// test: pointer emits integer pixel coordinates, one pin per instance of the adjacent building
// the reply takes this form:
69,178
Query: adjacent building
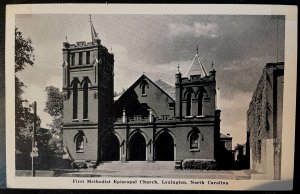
226,141
264,122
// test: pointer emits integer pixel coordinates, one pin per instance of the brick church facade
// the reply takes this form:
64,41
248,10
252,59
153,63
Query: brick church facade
148,122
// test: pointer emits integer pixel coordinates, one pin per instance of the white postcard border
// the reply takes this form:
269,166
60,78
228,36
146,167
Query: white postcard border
289,110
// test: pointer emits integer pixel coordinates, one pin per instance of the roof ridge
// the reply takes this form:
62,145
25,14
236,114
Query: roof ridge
141,77
165,82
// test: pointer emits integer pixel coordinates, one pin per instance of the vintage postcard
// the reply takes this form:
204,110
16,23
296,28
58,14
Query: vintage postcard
180,97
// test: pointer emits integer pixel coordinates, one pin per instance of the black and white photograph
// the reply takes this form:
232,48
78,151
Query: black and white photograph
151,96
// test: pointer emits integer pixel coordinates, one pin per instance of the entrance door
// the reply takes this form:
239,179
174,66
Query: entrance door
164,147
111,149
137,148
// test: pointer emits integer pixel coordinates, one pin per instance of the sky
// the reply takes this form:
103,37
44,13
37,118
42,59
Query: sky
239,46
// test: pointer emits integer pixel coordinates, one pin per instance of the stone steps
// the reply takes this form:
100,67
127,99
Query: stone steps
137,165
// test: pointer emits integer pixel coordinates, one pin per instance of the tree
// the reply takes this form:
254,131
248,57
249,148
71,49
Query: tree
54,103
23,57
23,51
120,93
23,117
54,107
239,149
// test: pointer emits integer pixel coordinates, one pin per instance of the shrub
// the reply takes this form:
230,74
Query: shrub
91,165
198,164
79,165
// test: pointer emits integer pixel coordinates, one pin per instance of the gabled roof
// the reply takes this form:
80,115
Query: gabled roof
168,88
117,97
137,82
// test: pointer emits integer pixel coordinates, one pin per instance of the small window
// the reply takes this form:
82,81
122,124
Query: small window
88,57
189,104
73,59
194,141
171,105
80,59
143,89
200,104
80,143
143,86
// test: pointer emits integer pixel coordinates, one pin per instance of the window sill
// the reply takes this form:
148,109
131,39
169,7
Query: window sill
144,95
194,150
75,120
79,151
86,119
200,116
189,117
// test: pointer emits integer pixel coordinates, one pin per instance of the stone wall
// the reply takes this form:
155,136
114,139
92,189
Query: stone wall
264,115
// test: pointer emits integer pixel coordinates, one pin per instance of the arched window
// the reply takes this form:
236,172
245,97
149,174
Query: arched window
75,100
143,86
200,103
80,143
194,141
189,104
85,100
143,89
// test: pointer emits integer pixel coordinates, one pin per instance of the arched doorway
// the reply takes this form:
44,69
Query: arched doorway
137,148
111,148
164,147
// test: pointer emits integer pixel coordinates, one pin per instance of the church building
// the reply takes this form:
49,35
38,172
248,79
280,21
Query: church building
151,121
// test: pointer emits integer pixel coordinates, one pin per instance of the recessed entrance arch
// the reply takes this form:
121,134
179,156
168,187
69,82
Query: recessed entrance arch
164,147
136,150
111,148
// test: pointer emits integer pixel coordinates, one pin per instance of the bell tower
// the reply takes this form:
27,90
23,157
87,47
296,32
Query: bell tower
88,81
195,91
196,109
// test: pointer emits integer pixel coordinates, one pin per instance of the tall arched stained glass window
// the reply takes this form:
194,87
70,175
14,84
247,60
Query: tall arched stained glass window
85,100
200,103
75,100
189,104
